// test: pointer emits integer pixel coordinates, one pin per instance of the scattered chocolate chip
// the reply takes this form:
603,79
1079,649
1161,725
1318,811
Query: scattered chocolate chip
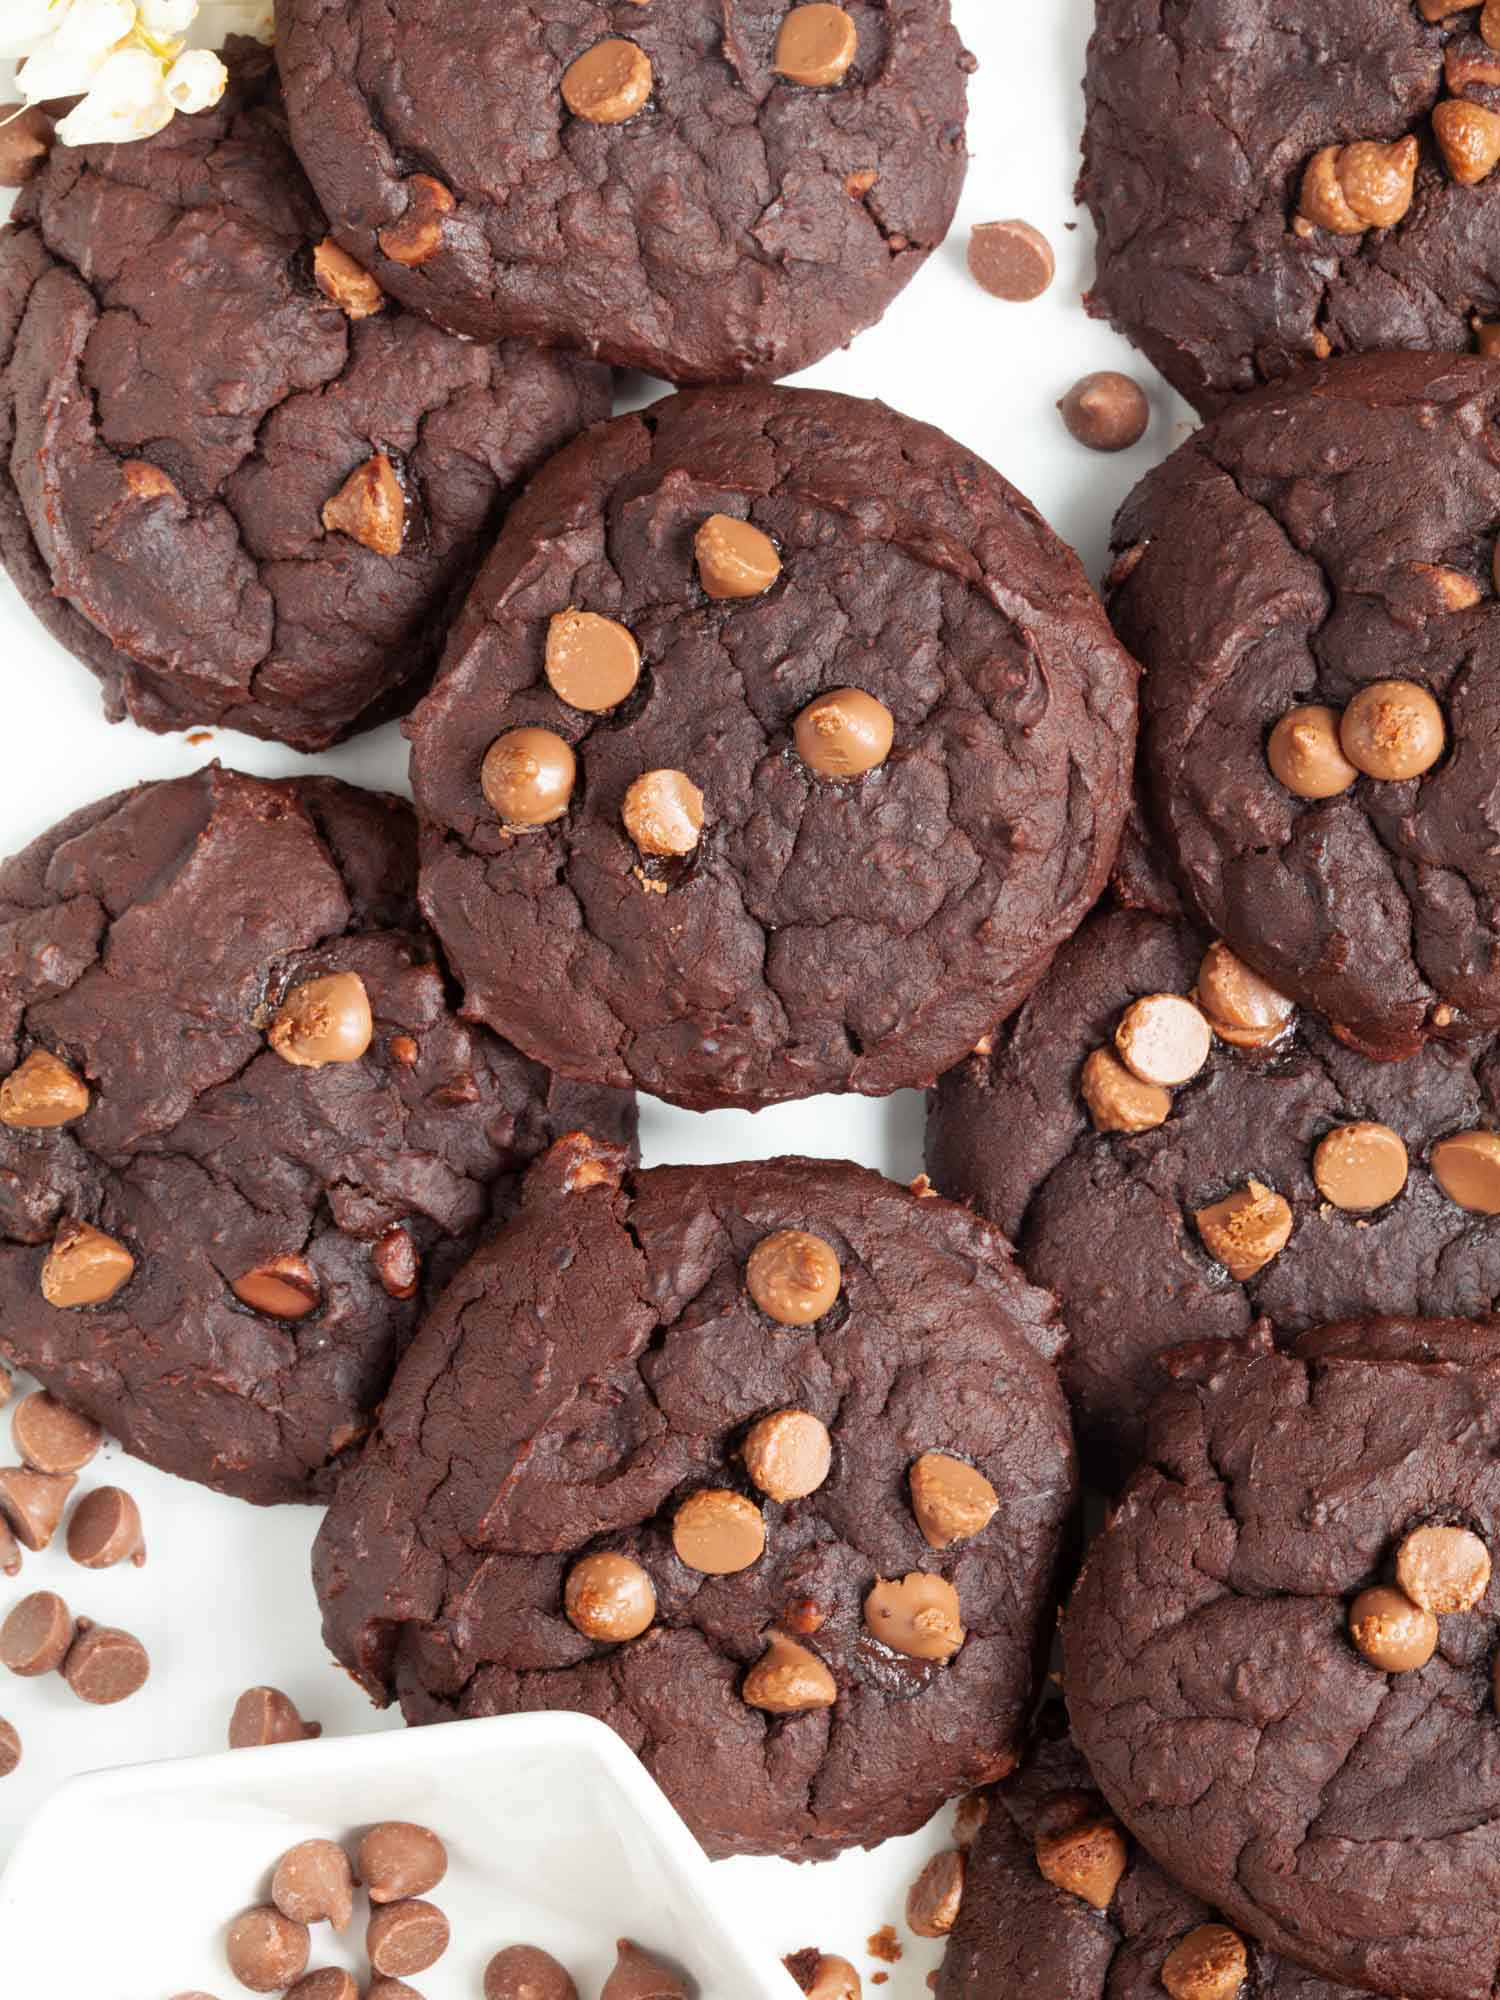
265,1715
609,1598
1118,1101
84,1267
816,46
33,1503
1360,1167
36,1635
10,1747
1106,411
105,1665
591,662
329,1983
638,1976
920,1616
1305,754
1468,137
734,558
788,1454
1241,1007
844,733
325,1020
396,1262
1012,260
105,1530
1246,1229
282,1288
1393,1633
1209,1964
1163,1039
1087,1860
267,1951
663,813
370,507
42,1093
1349,189
405,1937
399,1859
51,1437
313,1884
609,83
824,1976
348,284
525,1972
718,1532
953,1501
1443,1569
932,1902
1467,1169
788,1678
794,1277
527,778
419,233
25,141
1393,730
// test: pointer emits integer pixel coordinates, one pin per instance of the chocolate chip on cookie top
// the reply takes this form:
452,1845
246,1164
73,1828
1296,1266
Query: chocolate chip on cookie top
803,1564
808,799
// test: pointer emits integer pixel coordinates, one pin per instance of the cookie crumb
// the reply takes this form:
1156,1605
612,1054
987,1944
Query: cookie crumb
884,1944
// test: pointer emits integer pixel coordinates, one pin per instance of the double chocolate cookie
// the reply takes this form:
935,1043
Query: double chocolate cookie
236,480
1176,1150
1309,584
1309,181
708,192
1280,1657
766,1466
243,1138
777,749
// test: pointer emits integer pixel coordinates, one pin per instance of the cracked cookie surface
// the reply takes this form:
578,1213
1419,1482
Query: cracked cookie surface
1308,544
739,225
822,934
179,403
147,943
1346,1816
602,1363
1202,121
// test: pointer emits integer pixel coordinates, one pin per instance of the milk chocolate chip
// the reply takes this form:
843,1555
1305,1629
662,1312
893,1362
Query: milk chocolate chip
265,1715
788,1678
33,1502
396,1263
718,1532
328,1983
283,1288
1246,1229
1163,1039
919,1616
36,1635
398,1858
51,1437
788,1454
1393,1633
325,1020
419,233
84,1267
405,1937
1087,1860
267,1951
952,1501
608,83
844,734
734,558
1467,1169
10,1551
1392,729
348,284
816,46
1242,1008
523,1972
1209,1964
314,1884
1360,1166
609,1598
105,1665
1118,1101
794,1277
1468,137
970,1819
638,1976
527,777
10,1747
1106,411
1349,189
663,813
823,1975
25,141
591,662
1305,754
1443,1569
41,1093
370,507
934,1899
1012,260
106,1530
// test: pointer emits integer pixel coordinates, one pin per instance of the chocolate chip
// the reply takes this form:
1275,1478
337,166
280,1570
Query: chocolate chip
36,1635
1392,730
51,1437
1468,137
329,1983
405,1937
1443,1569
1087,1860
145,482
788,1678
33,1503
282,1288
265,1715
609,1598
970,1819
788,1454
591,662
1118,1101
1467,1169
638,1976
844,733
314,1884
608,83
953,1501
718,1532
25,141
419,233
1393,1633
266,1951
398,1858
1163,1039
41,1094
370,507
793,1276
10,1747
1446,590
1106,411
1209,1964
106,1530
1246,1229
396,1263
10,1551
1241,1007
348,284
1360,1167
1348,189
734,558
933,1901
816,46
391,1989
325,1020
824,1976
527,777
105,1665
1305,754
84,1267
1012,260
663,813
524,1972
920,1616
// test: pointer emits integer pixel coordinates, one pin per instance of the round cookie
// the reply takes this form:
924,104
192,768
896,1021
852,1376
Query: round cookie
869,771
575,1445
236,480
243,1137
1111,1189
1345,1812
1287,192
708,193
1059,1900
1307,582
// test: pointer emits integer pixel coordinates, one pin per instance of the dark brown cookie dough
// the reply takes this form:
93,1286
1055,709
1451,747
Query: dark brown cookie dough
784,925
707,192
1362,1154
1320,547
1344,1812
184,404
216,1250
594,1393
1199,142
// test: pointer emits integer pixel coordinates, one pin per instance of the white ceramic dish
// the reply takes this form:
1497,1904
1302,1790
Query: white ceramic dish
123,1886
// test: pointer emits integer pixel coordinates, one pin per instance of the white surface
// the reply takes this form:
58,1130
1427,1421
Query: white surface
224,1601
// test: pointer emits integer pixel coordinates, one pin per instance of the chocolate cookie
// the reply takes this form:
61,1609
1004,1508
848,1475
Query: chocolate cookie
1280,1655
1175,1150
236,480
1318,180
706,192
243,1138
766,1466
776,750
1059,1901
1307,582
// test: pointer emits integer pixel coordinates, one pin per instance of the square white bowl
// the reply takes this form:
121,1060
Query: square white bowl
126,1880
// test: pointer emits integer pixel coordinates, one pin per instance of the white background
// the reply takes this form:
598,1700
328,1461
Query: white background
225,1601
